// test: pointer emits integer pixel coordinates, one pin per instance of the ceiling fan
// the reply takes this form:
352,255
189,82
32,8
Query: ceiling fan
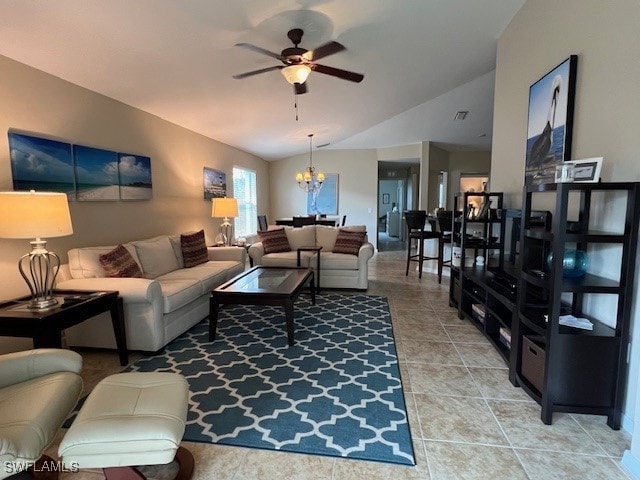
299,62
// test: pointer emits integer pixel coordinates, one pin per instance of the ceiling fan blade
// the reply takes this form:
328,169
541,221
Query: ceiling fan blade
325,50
336,72
256,72
261,50
300,88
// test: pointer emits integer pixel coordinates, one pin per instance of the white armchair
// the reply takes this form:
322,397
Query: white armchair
38,390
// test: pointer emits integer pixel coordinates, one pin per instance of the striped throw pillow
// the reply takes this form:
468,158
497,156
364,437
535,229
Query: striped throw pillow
348,242
194,249
274,241
118,263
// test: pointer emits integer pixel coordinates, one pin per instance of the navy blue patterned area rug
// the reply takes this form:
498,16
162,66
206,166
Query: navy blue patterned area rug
336,392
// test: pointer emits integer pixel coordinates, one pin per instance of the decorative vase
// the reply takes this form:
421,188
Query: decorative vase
574,264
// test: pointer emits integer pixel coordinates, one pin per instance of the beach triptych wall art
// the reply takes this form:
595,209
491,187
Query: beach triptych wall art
83,173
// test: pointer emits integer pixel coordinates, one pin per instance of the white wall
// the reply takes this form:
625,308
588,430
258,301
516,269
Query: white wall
32,101
399,154
357,185
606,38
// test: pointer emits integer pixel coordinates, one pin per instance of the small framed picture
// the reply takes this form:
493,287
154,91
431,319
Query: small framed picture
215,183
587,170
385,198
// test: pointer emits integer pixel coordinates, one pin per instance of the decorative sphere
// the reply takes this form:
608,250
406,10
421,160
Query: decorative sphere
574,264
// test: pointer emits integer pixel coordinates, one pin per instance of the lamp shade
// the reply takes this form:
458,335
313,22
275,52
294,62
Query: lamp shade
224,207
296,73
34,215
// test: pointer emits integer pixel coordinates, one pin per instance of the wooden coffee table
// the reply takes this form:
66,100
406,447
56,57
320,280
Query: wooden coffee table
263,286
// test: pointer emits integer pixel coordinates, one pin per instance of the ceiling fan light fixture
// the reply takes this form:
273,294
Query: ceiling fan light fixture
296,73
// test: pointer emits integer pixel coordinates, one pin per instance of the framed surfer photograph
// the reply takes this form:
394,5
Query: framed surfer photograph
550,122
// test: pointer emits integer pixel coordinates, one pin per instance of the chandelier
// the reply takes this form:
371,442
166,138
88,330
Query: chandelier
308,180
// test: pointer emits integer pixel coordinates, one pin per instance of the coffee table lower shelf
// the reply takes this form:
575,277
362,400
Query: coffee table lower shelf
263,286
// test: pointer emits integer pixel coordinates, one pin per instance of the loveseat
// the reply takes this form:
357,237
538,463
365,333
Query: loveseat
337,270
167,301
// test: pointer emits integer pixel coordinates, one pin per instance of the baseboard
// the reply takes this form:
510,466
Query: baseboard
631,464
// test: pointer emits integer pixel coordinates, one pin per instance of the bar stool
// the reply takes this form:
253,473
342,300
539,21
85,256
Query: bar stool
415,227
449,231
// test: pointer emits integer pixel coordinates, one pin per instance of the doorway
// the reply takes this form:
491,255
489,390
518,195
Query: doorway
397,184
473,182
391,203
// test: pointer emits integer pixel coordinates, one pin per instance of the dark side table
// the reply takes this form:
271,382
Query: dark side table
317,249
74,307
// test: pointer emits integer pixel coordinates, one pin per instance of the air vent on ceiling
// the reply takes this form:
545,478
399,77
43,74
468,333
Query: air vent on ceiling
461,115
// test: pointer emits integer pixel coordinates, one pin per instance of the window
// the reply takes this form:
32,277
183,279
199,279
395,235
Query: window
244,190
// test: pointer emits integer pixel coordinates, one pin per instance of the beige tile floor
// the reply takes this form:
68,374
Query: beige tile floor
467,421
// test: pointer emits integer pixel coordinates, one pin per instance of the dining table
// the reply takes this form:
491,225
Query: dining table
288,221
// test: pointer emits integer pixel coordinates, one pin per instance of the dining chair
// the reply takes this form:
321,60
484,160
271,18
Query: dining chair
415,220
262,223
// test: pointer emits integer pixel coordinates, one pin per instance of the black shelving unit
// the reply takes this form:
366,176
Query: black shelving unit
484,234
567,369
485,295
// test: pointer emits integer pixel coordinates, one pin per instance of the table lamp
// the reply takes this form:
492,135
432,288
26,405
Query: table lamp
36,215
224,208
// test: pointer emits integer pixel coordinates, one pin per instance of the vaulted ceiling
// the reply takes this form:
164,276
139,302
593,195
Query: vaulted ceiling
423,60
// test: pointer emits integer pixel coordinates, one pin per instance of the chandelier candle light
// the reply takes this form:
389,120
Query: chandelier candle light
308,180
36,215
224,208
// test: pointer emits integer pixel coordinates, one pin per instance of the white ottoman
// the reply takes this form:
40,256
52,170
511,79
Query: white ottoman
130,419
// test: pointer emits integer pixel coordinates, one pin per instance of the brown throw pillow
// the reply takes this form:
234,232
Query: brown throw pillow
194,249
275,241
118,263
348,242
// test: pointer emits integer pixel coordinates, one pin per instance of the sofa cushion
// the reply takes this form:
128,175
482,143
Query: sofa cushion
355,228
288,259
274,241
177,249
348,242
119,263
326,237
301,236
210,274
156,256
85,262
194,249
177,292
338,261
